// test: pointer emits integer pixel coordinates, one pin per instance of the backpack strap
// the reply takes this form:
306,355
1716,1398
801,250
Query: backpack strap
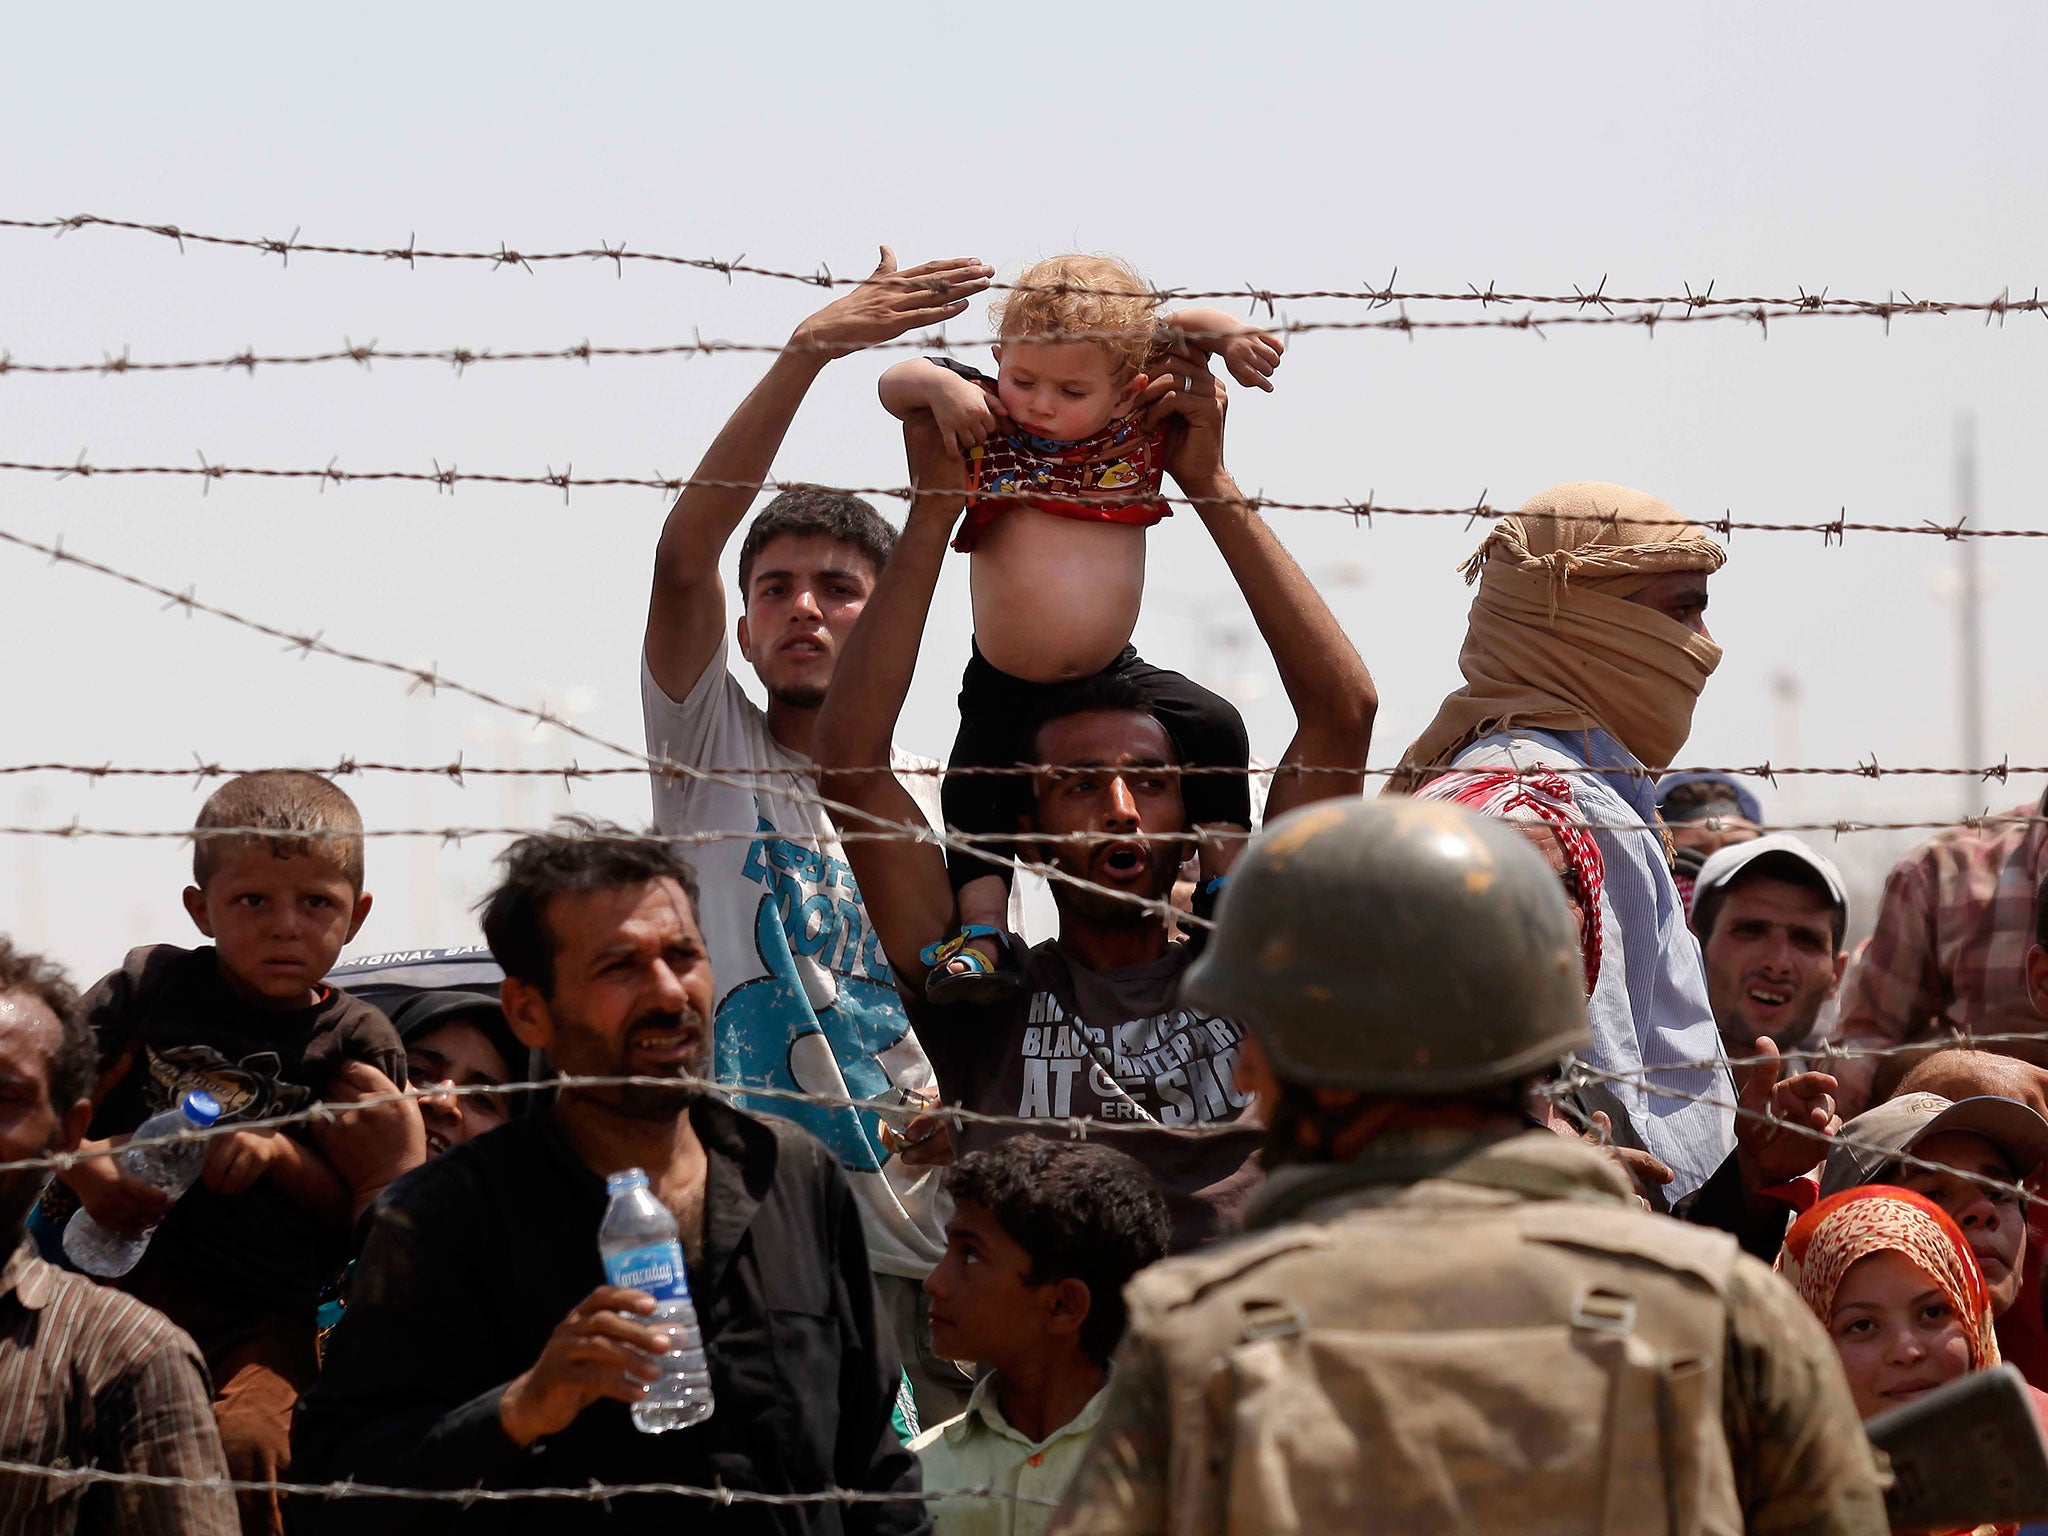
1489,1170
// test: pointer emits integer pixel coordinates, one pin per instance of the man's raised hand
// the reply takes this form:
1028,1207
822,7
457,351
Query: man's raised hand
1190,400
1775,1138
595,1352
890,303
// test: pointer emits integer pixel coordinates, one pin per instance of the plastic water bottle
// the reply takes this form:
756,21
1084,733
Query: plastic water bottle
637,1241
173,1168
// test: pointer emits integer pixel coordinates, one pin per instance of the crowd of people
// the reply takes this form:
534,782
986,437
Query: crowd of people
1418,1162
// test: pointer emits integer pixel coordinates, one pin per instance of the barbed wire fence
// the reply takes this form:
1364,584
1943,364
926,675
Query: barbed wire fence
1361,510
1817,301
1593,307
458,771
461,359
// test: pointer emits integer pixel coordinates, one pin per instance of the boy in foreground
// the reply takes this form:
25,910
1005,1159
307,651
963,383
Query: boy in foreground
239,1261
1044,1237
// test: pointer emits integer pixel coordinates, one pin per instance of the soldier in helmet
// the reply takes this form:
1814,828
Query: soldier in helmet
1440,1319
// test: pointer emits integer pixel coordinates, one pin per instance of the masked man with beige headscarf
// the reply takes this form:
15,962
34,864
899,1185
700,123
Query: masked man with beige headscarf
1587,647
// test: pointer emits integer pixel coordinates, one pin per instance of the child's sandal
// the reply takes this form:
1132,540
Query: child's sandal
981,982
1203,909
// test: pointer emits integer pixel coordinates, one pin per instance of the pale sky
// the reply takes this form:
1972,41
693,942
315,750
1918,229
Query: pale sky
1863,148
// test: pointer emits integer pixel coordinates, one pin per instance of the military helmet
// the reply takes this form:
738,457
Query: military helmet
1396,946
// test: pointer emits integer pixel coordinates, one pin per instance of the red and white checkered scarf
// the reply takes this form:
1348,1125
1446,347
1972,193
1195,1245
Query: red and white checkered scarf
1538,797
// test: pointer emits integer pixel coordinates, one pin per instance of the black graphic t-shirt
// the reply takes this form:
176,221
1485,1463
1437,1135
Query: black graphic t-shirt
1110,1046
167,1022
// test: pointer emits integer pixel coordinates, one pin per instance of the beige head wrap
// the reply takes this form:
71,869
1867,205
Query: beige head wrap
1552,640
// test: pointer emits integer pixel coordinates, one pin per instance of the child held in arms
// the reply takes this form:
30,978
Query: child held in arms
240,1260
1064,473
1044,1237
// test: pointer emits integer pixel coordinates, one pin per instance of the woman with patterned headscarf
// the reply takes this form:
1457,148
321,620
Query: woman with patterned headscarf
1585,652
1893,1281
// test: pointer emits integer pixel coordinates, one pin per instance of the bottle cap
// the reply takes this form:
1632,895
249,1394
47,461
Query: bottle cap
626,1178
200,1107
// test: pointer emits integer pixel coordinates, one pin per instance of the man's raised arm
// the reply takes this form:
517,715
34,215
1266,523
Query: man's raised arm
903,883
1326,681
686,613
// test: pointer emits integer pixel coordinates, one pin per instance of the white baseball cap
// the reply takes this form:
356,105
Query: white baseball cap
1722,868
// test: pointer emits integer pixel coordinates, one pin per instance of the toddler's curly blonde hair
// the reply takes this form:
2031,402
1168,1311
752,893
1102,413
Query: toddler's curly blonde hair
1097,297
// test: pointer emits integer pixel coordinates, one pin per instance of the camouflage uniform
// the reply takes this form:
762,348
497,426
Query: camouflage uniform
1451,1324
1460,1333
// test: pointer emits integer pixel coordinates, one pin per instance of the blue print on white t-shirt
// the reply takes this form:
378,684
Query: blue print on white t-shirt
772,1033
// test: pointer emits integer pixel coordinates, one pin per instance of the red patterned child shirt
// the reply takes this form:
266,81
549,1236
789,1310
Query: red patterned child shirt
1112,477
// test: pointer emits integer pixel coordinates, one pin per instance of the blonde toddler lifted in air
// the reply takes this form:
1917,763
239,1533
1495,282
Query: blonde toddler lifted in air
1064,475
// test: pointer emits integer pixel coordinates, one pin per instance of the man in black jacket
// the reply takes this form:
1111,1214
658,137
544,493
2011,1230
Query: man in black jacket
481,1348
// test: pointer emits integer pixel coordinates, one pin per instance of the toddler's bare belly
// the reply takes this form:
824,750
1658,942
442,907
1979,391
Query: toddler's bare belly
1055,598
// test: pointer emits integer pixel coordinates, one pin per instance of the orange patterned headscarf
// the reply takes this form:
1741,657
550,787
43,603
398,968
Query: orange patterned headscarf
1876,1218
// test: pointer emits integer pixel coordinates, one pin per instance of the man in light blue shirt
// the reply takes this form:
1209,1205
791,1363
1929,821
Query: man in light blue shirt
1586,650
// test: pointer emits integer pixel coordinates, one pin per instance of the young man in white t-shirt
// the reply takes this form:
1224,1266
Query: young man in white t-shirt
806,1000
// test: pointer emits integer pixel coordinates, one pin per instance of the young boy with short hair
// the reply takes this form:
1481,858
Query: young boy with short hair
1043,1239
239,1261
1064,477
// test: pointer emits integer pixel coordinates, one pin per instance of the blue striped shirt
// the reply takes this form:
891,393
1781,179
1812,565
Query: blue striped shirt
1649,1008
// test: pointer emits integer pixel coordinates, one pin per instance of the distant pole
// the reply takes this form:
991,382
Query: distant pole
1969,617
1787,697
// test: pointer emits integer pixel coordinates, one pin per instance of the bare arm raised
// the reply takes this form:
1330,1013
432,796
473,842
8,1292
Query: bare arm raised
903,883
1326,681
686,611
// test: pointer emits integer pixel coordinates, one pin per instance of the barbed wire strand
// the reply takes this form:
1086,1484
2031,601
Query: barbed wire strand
973,842
327,1111
1576,1072
461,359
861,822
411,253
1820,1053
458,769
1361,512
1585,1071
588,1493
